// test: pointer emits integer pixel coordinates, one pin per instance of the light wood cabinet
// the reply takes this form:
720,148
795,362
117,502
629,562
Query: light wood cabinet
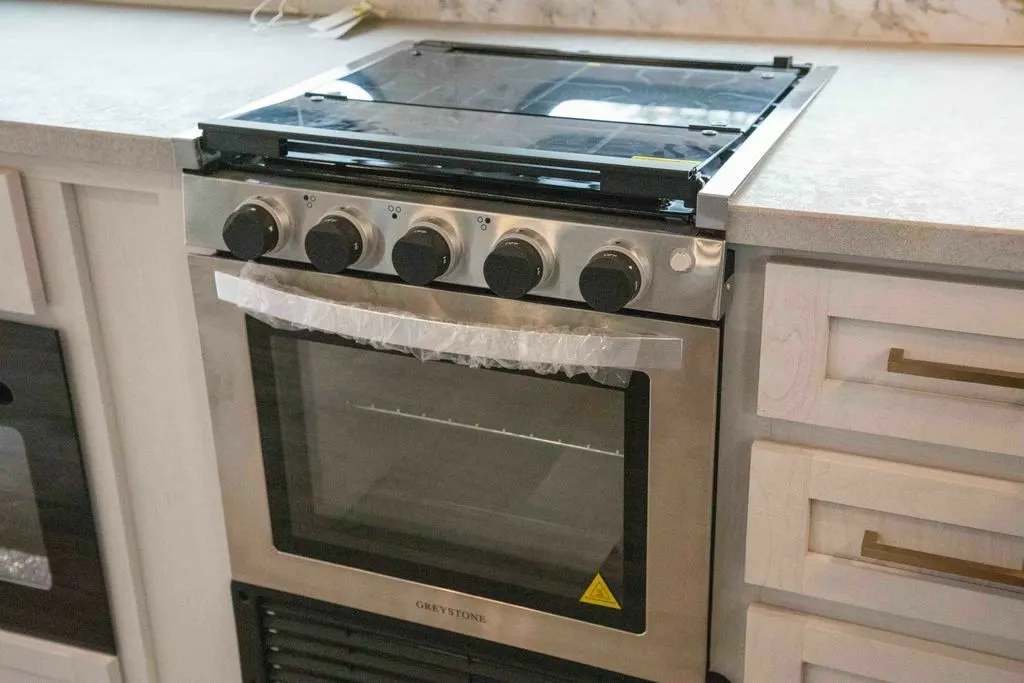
787,647
922,543
929,360
30,660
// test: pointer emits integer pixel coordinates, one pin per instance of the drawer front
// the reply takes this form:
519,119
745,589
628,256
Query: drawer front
932,361
31,660
926,544
788,647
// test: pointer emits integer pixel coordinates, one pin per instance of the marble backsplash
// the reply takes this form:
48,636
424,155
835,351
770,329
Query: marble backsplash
973,22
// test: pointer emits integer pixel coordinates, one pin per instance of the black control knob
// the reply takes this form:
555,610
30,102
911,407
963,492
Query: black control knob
334,244
251,231
513,268
610,281
421,255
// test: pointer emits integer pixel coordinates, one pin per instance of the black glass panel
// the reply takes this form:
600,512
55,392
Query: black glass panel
552,105
469,127
510,485
675,96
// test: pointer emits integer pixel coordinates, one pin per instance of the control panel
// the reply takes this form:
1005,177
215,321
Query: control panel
514,251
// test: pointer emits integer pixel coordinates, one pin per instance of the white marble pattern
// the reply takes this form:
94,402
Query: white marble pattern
972,22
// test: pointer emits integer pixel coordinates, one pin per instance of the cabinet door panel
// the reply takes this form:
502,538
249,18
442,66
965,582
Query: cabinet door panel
31,660
929,360
922,543
789,647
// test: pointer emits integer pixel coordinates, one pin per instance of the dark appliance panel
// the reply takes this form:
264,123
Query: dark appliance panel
51,577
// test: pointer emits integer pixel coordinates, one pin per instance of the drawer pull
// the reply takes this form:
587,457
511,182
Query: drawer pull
871,547
899,364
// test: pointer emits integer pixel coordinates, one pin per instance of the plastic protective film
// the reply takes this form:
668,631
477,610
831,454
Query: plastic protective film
606,357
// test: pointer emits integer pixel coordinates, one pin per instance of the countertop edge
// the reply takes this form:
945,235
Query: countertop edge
81,145
966,246
963,246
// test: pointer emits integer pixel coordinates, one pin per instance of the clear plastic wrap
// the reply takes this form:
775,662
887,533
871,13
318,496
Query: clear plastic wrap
606,357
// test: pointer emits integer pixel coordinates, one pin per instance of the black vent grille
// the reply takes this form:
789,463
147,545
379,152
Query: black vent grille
287,639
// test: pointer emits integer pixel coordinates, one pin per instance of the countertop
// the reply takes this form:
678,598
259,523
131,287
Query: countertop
910,153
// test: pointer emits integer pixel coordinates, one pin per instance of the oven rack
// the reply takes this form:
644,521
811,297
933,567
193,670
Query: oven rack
449,422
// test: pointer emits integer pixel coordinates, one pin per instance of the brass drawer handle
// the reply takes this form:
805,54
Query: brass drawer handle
872,548
899,364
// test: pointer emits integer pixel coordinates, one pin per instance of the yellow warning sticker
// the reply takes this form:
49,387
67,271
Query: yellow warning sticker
664,160
599,594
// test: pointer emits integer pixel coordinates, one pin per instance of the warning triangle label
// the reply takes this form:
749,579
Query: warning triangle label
599,594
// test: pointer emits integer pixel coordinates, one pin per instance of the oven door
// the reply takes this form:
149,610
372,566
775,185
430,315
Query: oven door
479,490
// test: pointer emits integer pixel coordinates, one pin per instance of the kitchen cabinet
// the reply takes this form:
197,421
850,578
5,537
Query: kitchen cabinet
823,439
112,260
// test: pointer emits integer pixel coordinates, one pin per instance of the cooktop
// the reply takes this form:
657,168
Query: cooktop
638,134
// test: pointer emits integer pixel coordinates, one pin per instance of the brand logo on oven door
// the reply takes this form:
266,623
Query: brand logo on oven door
452,612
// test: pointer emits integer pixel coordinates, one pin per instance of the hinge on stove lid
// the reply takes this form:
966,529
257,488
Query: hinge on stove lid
500,50
782,62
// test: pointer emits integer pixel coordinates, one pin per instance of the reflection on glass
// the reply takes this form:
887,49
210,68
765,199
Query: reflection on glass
654,114
345,89
22,553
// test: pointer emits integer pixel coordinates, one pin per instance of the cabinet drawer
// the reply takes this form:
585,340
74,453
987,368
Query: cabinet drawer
927,360
31,660
788,647
922,543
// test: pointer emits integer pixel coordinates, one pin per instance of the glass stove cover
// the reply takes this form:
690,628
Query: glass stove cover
466,97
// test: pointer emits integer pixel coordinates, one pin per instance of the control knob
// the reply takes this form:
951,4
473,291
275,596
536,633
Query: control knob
518,264
340,240
612,279
428,251
256,227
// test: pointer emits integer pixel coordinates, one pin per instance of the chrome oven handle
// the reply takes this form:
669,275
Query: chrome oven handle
399,330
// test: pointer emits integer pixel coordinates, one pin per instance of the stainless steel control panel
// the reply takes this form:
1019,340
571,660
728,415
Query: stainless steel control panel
683,274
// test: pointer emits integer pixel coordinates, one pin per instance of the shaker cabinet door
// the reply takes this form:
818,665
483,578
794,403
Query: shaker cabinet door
928,360
921,543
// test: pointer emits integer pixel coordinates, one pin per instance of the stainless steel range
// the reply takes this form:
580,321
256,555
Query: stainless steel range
460,315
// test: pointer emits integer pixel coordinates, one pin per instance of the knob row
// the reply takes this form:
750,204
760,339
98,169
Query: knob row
517,265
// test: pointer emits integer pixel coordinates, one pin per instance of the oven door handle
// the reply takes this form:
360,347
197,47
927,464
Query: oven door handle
541,350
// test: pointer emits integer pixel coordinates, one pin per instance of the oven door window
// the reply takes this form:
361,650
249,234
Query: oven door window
509,485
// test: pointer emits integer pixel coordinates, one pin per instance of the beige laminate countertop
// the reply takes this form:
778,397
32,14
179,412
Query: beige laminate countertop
913,154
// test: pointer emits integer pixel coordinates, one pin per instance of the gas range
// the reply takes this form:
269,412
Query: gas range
449,300
530,173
